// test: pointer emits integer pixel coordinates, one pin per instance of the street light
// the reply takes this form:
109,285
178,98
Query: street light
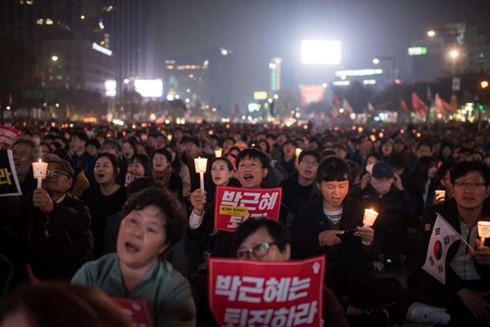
54,58
431,33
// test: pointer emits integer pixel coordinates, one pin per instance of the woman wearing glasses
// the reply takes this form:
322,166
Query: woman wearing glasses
263,239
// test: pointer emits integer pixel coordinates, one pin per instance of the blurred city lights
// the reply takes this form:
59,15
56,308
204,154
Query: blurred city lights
318,52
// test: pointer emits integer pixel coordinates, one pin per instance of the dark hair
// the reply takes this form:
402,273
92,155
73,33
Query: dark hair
312,153
339,145
252,153
113,159
278,232
163,152
418,175
168,203
188,139
81,135
62,304
145,162
226,160
133,145
142,183
464,167
424,142
444,168
112,143
397,160
328,152
333,169
94,142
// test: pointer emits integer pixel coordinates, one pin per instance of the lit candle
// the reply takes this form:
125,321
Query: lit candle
218,152
298,152
483,231
39,170
201,165
369,217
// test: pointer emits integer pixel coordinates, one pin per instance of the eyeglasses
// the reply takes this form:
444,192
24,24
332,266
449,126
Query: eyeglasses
56,173
309,163
469,185
258,251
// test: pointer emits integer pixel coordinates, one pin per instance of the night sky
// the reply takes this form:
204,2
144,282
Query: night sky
256,30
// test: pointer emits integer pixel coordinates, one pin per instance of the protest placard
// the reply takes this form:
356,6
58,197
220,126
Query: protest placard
234,205
9,183
137,311
259,293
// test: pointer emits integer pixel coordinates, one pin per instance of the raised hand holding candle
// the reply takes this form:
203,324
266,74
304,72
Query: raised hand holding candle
39,170
483,231
218,152
201,165
369,217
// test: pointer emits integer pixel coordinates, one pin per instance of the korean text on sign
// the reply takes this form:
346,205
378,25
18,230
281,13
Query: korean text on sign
234,205
9,183
245,293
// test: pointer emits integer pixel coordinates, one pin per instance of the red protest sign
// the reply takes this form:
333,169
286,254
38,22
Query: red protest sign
8,135
234,205
259,293
137,311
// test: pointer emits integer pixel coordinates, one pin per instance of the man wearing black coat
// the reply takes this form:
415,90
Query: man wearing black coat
465,294
52,228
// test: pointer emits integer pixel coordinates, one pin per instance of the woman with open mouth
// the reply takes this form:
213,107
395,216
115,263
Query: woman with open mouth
153,222
105,197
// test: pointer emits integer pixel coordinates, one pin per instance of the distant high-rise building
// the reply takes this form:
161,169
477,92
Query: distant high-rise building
219,78
130,32
275,67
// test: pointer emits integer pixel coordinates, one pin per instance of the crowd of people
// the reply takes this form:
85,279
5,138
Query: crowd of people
122,211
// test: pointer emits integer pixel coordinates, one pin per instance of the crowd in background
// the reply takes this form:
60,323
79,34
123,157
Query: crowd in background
122,210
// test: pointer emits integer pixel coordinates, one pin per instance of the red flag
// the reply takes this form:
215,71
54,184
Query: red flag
404,106
418,105
335,101
441,105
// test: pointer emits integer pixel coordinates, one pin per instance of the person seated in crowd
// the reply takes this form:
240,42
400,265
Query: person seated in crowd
444,178
263,239
222,171
181,169
332,225
53,227
138,166
421,183
287,163
105,197
465,293
153,222
386,194
113,147
162,170
341,152
25,151
300,186
60,305
80,156
251,172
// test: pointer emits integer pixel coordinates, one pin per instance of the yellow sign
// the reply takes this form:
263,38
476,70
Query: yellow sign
233,211
260,95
